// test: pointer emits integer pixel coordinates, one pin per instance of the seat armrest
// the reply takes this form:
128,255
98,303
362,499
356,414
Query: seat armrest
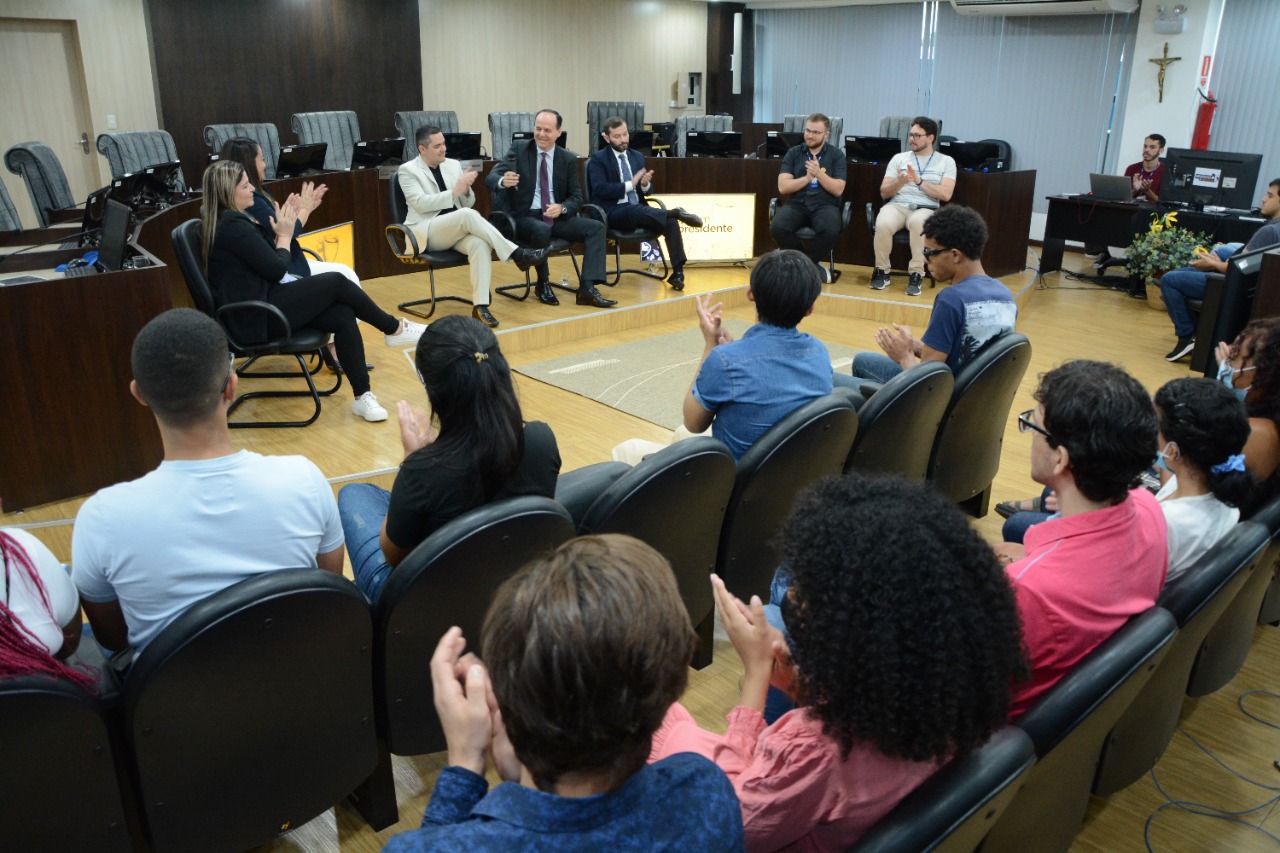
846,214
273,313
312,252
653,202
869,388
577,490
773,207
504,222
402,242
594,211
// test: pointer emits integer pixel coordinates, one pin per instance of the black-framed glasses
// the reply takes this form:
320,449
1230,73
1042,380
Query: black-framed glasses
929,253
917,135
1026,423
231,366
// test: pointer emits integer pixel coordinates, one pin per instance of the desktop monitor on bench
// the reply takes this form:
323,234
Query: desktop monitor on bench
1200,178
372,153
876,150
777,144
296,160
973,156
713,143
463,146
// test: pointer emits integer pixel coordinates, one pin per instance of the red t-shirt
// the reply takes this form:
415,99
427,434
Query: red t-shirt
1155,177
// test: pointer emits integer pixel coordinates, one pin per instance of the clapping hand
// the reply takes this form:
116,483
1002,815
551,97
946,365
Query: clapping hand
911,175
897,342
461,688
709,321
757,643
286,216
416,431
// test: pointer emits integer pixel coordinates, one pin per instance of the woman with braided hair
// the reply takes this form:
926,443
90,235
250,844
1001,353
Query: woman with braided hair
39,612
474,447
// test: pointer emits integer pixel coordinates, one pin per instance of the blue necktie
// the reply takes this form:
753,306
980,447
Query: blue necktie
625,167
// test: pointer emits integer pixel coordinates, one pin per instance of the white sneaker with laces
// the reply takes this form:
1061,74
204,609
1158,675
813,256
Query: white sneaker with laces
366,406
408,334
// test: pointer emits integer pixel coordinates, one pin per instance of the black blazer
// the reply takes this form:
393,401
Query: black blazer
244,265
605,178
522,159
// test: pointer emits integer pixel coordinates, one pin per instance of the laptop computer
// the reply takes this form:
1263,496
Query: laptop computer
1110,187
295,160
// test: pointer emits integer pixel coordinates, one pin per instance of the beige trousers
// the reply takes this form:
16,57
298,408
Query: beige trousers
892,219
473,235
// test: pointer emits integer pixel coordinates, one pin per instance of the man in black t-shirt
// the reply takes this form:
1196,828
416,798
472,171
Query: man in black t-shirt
813,174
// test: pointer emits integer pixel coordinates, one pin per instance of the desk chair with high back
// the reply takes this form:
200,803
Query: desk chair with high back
966,453
794,124
252,713
619,236
283,340
898,424
632,112
134,150
901,237
448,579
264,133
8,213
408,121
501,126
1068,725
810,443
404,245
1225,307
45,180
684,124
806,233
340,129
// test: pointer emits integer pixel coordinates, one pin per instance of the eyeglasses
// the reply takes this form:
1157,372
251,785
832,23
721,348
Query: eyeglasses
917,135
1026,424
231,366
929,253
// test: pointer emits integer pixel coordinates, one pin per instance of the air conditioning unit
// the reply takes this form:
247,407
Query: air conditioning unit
1044,7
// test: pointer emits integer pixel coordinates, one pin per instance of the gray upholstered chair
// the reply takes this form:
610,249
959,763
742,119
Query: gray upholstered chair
684,124
795,124
408,122
134,150
46,182
897,127
501,126
632,112
265,134
8,213
339,128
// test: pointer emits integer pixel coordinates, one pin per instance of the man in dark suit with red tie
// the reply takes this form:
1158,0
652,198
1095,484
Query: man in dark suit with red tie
538,185
618,179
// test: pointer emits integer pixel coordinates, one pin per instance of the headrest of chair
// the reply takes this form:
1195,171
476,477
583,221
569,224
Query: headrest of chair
830,408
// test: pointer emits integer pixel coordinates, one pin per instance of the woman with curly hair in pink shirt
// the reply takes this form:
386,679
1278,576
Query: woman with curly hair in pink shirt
903,642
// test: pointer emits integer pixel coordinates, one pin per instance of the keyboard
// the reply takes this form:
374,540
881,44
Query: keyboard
84,269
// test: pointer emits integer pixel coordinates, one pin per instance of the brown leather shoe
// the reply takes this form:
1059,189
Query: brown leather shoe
588,295
482,313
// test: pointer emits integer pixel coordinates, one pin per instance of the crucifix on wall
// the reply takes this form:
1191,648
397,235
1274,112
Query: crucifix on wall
1164,62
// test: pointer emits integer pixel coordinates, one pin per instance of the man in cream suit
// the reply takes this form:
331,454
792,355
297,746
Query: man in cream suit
441,216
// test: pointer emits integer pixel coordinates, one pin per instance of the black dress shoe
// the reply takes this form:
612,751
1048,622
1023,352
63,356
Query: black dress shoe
546,295
676,280
526,258
693,220
481,313
588,295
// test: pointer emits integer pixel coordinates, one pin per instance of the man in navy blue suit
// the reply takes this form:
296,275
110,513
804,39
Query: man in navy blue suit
618,180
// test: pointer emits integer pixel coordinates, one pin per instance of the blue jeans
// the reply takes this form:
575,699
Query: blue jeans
776,702
362,507
1177,286
1017,525
868,367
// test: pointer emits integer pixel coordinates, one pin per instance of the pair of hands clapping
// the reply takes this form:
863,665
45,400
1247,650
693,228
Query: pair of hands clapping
469,711
762,648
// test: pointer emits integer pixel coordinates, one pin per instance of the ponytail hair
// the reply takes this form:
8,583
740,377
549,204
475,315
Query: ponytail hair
468,383
1210,427
20,652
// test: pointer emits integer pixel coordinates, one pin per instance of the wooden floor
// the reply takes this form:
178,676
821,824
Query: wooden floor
1064,319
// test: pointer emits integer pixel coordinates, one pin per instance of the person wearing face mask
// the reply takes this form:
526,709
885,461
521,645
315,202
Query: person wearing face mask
1201,435
1250,367
1177,286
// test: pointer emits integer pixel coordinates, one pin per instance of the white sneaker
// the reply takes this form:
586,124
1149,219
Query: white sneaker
366,406
408,334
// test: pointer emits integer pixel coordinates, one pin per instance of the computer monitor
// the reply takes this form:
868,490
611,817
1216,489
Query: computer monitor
372,153
713,143
295,160
876,150
462,146
563,141
971,156
116,221
1220,178
642,141
777,144
148,190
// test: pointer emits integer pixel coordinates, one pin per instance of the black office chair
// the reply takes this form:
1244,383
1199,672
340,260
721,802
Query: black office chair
806,233
1224,310
60,774
405,247
810,443
952,811
618,236
251,712
675,500
8,213
1197,599
46,182
900,238
898,424
1068,724
506,225
281,338
966,453
1227,644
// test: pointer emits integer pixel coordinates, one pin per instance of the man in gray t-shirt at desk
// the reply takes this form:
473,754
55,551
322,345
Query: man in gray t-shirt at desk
915,184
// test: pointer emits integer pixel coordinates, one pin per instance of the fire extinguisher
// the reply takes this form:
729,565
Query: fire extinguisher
1204,121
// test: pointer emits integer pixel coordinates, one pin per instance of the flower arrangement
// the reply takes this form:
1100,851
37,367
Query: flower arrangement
1165,247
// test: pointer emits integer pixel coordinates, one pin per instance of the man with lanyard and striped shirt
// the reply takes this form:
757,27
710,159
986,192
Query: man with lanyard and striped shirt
915,184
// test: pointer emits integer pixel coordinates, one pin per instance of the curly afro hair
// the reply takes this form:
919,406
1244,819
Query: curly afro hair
903,627
1259,343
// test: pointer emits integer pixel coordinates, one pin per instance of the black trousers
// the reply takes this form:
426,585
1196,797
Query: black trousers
331,302
825,221
533,232
630,216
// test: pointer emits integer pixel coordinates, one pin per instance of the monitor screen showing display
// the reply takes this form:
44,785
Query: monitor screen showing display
713,143
877,150
1200,178
463,146
970,156
777,144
